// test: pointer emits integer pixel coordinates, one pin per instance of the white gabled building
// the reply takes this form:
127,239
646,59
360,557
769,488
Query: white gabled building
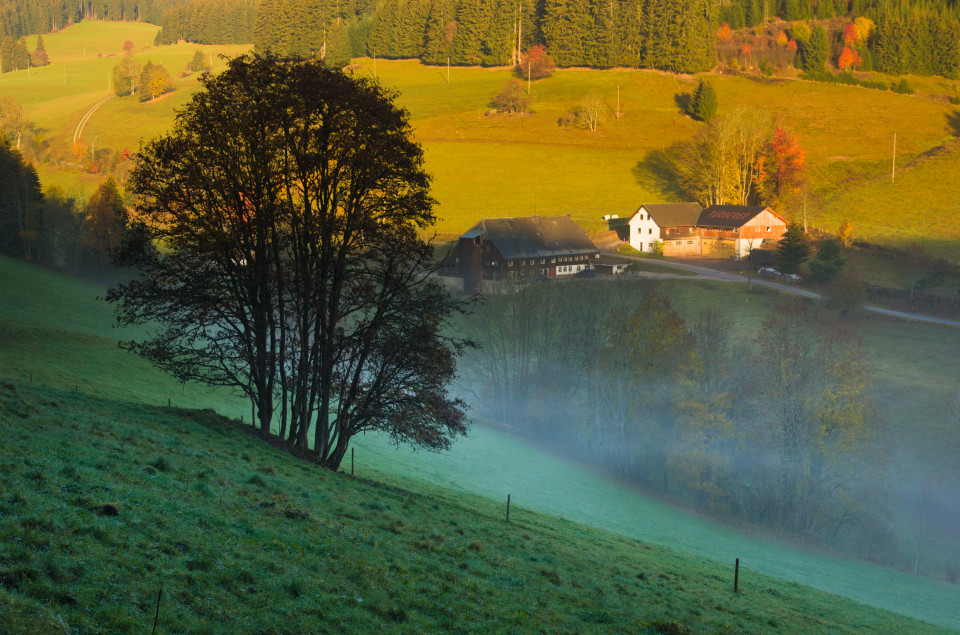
651,223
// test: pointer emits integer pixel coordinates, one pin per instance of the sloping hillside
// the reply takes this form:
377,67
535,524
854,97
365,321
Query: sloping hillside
103,502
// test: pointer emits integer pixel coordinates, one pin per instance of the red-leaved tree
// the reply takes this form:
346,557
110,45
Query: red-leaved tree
850,34
849,58
537,63
785,161
724,32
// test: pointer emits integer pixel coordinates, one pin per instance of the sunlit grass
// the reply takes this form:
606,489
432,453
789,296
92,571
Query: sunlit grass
486,166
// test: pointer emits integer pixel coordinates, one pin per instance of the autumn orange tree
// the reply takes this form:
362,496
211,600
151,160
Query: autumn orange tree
537,63
779,171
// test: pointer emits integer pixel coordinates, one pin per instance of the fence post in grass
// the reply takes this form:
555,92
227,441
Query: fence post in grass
736,577
168,402
508,507
156,617
351,461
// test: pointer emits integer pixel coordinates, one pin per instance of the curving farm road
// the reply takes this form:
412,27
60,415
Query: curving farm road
86,117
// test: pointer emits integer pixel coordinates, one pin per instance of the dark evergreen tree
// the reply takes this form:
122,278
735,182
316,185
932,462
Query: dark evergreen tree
6,54
704,103
793,250
20,200
471,24
814,54
563,24
829,261
439,32
39,57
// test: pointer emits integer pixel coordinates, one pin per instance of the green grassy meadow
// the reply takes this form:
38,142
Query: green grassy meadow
107,502
495,165
93,429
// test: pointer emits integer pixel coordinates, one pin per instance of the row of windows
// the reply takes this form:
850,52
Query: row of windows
543,261
674,230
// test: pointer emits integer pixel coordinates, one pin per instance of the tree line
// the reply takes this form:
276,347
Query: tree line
53,228
666,34
910,36
771,425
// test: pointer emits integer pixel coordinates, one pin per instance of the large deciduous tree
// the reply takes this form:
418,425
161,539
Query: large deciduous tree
719,166
285,212
814,410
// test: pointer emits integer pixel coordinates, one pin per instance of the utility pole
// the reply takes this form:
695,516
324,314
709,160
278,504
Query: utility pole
893,167
519,31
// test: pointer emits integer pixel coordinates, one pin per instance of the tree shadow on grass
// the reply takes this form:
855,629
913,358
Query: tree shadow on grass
659,169
682,100
953,122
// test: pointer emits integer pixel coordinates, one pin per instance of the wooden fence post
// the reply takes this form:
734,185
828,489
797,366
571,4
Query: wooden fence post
736,576
508,507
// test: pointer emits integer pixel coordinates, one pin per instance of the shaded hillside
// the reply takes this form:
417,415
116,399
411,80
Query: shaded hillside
105,501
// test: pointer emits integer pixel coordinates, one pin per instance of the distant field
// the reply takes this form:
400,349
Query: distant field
509,165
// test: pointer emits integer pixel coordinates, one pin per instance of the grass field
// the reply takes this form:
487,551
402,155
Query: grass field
507,165
53,330
107,502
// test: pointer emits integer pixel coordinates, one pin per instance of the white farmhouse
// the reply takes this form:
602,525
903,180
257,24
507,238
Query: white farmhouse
652,222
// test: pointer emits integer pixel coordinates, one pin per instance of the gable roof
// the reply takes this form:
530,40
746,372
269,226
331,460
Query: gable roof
729,216
534,236
673,214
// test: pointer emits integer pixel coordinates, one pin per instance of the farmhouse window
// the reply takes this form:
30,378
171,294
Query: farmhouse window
553,261
509,263
768,227
650,231
639,230
543,261
689,242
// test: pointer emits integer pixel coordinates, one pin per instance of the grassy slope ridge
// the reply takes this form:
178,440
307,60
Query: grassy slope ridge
104,501
507,166
51,327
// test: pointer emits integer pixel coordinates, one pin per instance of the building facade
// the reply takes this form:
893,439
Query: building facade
521,248
719,231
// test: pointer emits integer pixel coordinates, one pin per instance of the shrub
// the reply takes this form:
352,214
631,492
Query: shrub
537,63
903,87
511,98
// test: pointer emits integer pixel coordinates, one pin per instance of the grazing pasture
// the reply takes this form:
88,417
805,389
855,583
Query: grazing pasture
56,334
505,165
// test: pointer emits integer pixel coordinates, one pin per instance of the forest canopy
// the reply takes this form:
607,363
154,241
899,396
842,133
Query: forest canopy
909,36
